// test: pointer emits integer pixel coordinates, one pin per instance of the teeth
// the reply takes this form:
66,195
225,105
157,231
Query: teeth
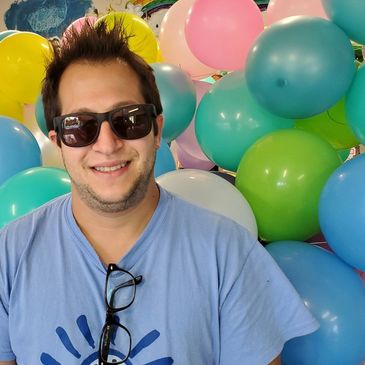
110,168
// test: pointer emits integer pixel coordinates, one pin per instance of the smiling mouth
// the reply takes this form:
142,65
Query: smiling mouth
110,168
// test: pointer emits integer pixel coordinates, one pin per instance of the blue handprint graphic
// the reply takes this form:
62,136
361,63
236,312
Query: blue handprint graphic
92,359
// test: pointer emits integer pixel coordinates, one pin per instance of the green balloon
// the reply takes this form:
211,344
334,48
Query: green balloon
344,154
228,121
29,189
282,176
331,125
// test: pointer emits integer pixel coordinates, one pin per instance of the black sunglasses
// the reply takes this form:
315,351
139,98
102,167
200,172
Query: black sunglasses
127,122
120,291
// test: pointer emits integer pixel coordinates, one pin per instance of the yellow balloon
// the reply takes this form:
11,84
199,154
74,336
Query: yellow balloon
23,58
142,40
11,108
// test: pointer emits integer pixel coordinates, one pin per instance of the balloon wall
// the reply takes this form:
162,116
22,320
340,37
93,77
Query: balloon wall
264,113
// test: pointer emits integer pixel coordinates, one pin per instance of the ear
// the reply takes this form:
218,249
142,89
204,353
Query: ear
52,135
158,136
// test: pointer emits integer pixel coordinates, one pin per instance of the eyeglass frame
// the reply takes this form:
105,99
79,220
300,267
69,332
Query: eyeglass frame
110,311
58,124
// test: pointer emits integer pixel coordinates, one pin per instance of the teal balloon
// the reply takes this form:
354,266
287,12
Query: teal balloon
335,295
6,33
349,16
29,189
165,161
39,116
178,98
355,104
229,120
19,149
300,66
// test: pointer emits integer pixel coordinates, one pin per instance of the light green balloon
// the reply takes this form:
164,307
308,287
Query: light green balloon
331,125
282,176
29,189
228,121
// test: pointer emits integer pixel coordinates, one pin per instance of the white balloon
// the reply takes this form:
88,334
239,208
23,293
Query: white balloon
212,192
50,155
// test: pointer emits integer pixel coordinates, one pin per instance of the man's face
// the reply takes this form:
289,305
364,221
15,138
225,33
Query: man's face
112,174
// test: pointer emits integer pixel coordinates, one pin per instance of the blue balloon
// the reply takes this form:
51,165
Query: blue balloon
349,16
300,66
178,98
165,161
335,295
19,149
39,115
342,211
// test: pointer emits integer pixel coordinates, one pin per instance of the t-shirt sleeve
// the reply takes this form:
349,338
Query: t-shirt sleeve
260,310
6,354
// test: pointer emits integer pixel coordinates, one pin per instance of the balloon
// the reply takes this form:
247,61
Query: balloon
19,150
349,16
211,192
355,104
279,9
23,56
187,139
344,154
142,40
282,176
221,36
164,160
79,23
342,212
228,121
40,117
11,108
30,189
331,125
173,44
335,295
188,161
6,33
293,64
178,98
50,154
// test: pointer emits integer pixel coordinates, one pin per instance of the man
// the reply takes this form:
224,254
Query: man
186,286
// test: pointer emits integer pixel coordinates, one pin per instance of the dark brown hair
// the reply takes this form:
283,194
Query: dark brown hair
95,43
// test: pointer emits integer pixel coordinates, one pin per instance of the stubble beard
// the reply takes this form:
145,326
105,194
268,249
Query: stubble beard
130,199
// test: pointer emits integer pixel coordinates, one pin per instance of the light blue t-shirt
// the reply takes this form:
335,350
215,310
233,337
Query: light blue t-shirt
211,294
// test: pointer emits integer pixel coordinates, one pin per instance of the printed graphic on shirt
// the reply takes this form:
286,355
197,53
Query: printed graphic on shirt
92,358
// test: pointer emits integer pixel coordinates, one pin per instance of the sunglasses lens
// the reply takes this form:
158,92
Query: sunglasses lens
134,124
79,130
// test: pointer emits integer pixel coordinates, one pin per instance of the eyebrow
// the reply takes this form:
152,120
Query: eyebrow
114,106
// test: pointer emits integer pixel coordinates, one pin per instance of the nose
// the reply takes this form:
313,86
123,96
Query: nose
107,141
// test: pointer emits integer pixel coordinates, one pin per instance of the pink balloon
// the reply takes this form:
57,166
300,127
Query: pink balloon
79,23
279,9
187,140
174,48
188,161
221,33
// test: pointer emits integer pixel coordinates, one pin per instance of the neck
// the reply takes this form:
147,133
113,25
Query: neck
113,234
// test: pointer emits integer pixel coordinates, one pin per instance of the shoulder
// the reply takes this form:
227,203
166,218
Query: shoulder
206,229
16,236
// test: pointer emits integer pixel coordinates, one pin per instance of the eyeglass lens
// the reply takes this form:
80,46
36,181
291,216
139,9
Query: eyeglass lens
120,290
82,129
